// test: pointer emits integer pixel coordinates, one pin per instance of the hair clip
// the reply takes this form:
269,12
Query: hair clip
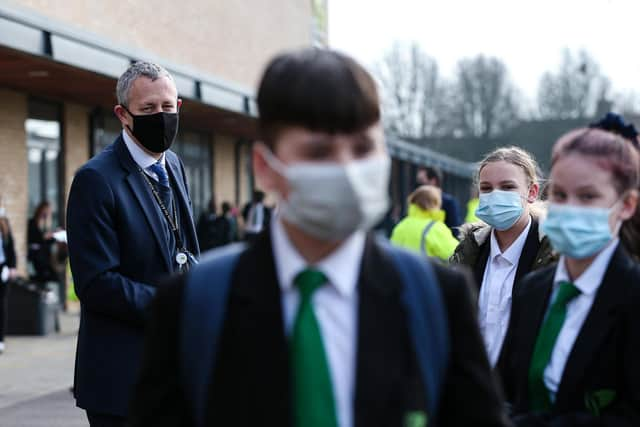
614,123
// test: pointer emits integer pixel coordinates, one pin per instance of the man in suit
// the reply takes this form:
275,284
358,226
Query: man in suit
315,332
451,207
129,225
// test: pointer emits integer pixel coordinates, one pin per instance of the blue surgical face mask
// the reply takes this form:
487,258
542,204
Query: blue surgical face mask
500,209
577,231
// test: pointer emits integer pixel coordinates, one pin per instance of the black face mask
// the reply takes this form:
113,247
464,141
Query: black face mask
156,132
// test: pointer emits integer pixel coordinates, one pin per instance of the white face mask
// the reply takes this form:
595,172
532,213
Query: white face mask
331,200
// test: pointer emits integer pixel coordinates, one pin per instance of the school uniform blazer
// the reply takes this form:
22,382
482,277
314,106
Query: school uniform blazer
251,372
604,359
530,258
119,255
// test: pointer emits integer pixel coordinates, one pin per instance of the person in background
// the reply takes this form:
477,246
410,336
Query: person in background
231,214
7,267
208,228
256,216
214,230
423,229
472,206
507,245
433,176
575,329
40,242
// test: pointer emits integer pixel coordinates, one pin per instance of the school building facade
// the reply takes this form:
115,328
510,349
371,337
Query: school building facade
59,63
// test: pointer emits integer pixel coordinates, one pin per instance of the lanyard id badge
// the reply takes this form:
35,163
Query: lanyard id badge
183,258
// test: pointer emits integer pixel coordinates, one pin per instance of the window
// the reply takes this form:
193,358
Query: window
44,160
195,151
105,129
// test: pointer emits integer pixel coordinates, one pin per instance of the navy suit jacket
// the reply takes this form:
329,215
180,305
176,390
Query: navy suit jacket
119,255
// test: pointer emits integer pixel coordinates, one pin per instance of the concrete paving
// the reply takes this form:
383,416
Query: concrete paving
35,376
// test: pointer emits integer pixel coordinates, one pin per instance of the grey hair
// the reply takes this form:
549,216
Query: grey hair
135,70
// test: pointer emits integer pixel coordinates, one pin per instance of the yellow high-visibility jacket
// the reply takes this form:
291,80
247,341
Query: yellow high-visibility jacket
472,207
439,241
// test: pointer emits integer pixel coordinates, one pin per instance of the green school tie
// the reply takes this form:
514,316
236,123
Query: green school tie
313,402
538,394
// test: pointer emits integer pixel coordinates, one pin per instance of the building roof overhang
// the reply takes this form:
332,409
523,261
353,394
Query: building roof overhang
49,59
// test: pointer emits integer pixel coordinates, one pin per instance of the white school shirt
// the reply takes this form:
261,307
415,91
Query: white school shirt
577,310
494,302
334,304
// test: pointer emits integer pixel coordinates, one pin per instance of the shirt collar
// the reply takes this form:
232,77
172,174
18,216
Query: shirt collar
589,281
342,266
142,159
513,252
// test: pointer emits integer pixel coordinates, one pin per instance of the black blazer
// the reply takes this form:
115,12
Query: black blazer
251,385
604,357
525,265
119,256
9,248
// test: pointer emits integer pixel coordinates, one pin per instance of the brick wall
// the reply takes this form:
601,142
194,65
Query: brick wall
76,141
224,169
13,164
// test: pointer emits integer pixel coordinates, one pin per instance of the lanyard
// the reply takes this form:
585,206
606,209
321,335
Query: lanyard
173,222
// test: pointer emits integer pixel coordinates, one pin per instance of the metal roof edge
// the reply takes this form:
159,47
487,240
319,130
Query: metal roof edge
30,18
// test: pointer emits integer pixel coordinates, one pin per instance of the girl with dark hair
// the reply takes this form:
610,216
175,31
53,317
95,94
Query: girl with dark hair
575,330
40,240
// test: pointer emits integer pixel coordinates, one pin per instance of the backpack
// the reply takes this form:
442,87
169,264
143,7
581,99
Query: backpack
205,305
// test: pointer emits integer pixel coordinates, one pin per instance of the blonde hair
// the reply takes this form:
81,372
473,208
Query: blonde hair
426,197
516,156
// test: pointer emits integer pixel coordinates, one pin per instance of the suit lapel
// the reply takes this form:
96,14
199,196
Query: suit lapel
382,341
529,252
596,327
481,263
176,173
142,192
534,307
260,321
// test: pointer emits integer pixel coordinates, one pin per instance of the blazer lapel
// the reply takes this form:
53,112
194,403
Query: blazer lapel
481,263
533,308
142,192
529,252
382,373
260,314
596,327
176,173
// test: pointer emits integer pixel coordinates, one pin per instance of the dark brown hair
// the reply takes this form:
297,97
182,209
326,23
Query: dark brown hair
318,89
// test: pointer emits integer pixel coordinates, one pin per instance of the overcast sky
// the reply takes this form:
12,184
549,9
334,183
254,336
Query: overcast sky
528,35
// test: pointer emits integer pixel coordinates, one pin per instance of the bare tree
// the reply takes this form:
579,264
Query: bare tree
484,102
574,90
412,91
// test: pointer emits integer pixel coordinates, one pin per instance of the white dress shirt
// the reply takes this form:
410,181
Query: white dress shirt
494,302
335,306
142,158
577,310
